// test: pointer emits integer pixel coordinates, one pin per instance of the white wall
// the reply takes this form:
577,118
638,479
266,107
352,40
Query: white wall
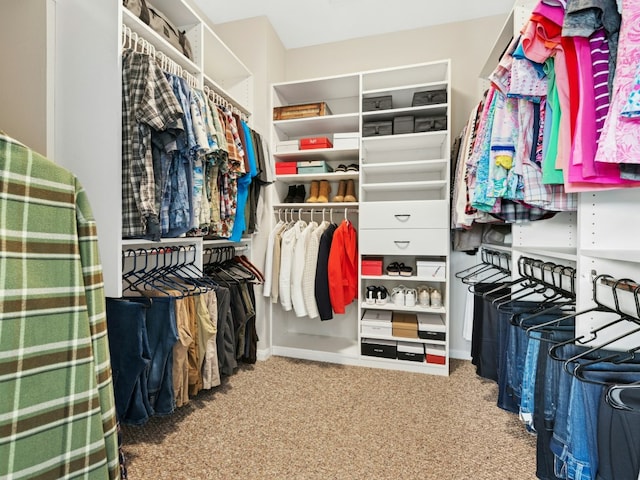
23,75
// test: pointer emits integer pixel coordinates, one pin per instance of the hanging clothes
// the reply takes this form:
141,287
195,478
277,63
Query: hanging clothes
343,267
53,326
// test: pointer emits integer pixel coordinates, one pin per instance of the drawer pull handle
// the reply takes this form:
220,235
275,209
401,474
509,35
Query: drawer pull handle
402,217
402,243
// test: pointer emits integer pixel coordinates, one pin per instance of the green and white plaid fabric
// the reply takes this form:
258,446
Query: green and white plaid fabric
57,411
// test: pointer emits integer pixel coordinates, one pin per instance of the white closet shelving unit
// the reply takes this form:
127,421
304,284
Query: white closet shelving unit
87,81
403,201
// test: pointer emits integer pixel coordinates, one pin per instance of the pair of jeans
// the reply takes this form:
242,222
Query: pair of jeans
527,399
162,334
130,359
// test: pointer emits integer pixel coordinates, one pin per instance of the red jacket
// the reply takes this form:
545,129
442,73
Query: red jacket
343,267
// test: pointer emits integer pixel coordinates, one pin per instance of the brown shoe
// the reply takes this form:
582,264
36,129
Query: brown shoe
342,188
313,191
350,195
324,191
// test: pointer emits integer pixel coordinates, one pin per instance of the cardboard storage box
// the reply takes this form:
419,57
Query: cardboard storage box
431,327
432,97
435,354
428,268
379,348
286,168
374,129
411,351
305,110
347,140
315,142
405,325
430,124
371,266
371,104
314,166
287,146
403,124
376,322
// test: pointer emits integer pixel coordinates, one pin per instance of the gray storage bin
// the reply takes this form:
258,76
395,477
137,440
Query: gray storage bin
372,129
403,124
430,124
376,103
431,97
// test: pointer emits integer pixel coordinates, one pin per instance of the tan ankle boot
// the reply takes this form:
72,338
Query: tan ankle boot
324,191
313,191
342,188
350,194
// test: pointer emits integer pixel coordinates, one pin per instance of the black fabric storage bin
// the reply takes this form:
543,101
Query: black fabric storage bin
403,124
376,103
372,129
431,97
430,124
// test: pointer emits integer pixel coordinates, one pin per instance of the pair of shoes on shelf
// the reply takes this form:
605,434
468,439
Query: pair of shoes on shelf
354,167
295,194
376,295
346,192
399,269
319,191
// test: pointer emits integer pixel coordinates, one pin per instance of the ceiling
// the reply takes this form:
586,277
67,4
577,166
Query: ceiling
301,23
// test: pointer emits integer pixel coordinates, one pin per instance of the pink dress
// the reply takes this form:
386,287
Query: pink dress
619,140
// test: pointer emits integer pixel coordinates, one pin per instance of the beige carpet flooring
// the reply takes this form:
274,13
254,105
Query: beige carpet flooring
292,419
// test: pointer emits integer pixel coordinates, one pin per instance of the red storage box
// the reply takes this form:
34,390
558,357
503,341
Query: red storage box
315,142
371,266
284,168
435,354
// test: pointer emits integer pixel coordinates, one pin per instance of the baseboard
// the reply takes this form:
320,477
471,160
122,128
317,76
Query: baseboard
263,354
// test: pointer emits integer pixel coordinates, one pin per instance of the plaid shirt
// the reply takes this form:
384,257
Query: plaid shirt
148,103
57,413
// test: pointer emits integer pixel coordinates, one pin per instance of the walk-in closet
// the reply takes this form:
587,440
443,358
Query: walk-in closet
276,240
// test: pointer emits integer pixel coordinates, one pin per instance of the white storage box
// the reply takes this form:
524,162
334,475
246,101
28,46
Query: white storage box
376,322
287,146
430,269
435,354
348,140
431,327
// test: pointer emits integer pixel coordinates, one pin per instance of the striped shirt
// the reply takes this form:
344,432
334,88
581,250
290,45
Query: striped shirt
57,412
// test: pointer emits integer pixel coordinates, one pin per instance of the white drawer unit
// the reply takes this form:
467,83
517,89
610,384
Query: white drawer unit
394,215
419,241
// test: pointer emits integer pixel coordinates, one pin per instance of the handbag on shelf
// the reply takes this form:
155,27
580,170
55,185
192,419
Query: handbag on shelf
153,17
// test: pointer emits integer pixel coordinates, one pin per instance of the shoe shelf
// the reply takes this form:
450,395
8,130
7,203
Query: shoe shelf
310,205
401,308
298,177
318,126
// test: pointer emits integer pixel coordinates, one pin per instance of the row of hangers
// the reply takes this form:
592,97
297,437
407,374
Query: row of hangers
132,41
283,213
172,270
553,287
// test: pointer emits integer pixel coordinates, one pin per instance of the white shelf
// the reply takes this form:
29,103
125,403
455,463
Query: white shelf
561,253
413,278
405,90
307,177
160,44
384,187
317,206
209,82
220,63
405,339
406,167
622,255
401,308
391,113
317,90
316,343
327,154
409,141
315,126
